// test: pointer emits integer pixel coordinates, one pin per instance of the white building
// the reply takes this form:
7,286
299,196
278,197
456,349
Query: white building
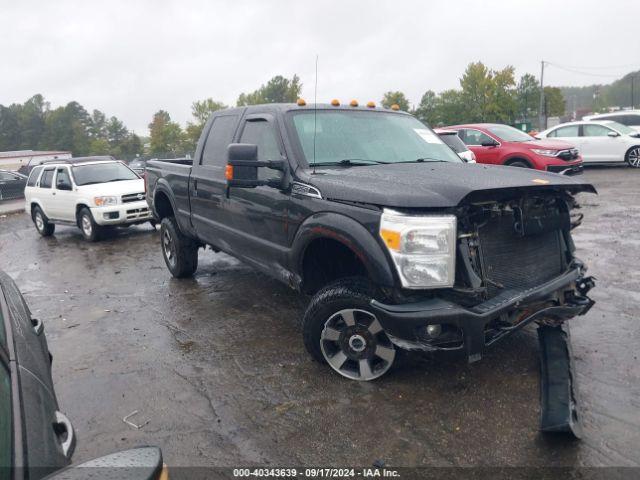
14,160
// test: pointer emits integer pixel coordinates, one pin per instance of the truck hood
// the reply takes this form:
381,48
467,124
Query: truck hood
123,187
434,185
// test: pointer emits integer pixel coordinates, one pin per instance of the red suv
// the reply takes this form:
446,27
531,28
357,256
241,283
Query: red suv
504,145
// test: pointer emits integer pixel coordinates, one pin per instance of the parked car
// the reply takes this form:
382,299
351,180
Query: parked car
451,138
35,161
11,185
630,118
603,141
36,438
90,194
400,243
138,165
499,144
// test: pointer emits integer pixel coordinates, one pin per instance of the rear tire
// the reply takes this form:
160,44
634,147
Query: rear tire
632,157
41,222
339,328
90,229
179,251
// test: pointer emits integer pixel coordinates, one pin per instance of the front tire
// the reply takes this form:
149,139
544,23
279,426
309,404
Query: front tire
90,229
179,251
519,164
339,328
42,224
633,157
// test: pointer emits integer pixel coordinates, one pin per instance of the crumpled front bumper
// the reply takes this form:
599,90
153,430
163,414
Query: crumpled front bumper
464,328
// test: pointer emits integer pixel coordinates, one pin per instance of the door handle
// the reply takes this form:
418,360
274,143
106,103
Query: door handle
66,436
195,184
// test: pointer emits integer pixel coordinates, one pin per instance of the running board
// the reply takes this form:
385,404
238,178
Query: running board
558,389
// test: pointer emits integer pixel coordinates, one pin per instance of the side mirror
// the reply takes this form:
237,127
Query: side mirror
62,185
489,143
613,134
243,164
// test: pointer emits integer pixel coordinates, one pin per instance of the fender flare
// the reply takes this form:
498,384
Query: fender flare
352,235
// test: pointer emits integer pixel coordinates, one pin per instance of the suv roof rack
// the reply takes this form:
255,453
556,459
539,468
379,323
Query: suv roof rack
71,161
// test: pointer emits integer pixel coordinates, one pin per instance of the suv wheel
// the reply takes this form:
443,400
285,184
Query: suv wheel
340,329
89,228
179,251
520,164
42,224
633,157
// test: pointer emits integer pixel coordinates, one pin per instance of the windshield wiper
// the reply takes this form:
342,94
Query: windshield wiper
353,162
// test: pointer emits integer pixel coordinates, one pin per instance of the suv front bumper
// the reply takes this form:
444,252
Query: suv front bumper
466,328
121,214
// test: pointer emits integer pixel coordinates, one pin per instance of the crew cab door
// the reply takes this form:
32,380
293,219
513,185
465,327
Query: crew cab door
258,216
208,185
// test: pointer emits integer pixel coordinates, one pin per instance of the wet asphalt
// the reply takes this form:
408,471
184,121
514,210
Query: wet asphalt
216,368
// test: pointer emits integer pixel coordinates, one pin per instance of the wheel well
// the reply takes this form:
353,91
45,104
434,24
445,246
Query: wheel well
326,260
626,154
162,206
33,206
518,159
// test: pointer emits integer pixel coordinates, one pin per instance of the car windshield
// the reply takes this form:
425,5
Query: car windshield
367,138
102,173
454,141
619,127
509,134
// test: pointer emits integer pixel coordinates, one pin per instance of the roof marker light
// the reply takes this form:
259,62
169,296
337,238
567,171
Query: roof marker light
335,102
301,102
371,105
395,106
354,103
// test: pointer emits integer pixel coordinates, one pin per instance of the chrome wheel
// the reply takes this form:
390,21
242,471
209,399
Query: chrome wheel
39,221
168,247
87,227
633,157
354,344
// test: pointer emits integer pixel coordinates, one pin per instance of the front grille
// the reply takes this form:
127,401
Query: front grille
133,197
138,213
568,155
513,261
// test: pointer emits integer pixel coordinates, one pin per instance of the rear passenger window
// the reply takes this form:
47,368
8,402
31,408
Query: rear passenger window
47,177
33,177
220,136
594,130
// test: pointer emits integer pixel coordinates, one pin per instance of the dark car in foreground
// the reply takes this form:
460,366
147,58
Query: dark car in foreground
11,185
36,438
400,243
497,144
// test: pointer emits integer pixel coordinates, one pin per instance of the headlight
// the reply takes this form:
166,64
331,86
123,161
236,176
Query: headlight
104,201
545,153
423,248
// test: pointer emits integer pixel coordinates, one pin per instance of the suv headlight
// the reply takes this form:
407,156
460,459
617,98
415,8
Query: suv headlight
545,153
423,248
104,201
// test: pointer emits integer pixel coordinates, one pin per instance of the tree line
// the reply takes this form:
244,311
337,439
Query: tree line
33,125
484,95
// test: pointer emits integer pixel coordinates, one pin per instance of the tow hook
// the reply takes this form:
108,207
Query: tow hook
558,389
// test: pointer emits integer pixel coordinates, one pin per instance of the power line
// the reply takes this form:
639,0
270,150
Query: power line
590,74
631,65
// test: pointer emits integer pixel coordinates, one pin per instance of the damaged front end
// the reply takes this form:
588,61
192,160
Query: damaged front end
515,265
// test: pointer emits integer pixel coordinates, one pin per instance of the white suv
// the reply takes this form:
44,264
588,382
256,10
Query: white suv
89,193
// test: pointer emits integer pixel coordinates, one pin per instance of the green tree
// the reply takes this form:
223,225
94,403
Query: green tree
427,110
9,128
201,111
554,102
477,92
277,90
166,135
528,97
503,104
395,98
451,108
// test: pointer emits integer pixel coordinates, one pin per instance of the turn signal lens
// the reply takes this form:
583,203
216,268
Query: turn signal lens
391,239
228,172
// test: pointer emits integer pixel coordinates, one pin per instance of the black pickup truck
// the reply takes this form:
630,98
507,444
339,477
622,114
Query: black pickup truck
399,242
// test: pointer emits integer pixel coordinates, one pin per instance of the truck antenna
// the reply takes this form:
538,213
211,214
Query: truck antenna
315,116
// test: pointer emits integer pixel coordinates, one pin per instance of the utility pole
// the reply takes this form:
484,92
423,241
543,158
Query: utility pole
542,124
632,80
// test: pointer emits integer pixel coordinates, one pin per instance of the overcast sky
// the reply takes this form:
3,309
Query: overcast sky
131,58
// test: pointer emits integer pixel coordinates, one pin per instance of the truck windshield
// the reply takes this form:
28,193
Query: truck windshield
102,173
359,137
